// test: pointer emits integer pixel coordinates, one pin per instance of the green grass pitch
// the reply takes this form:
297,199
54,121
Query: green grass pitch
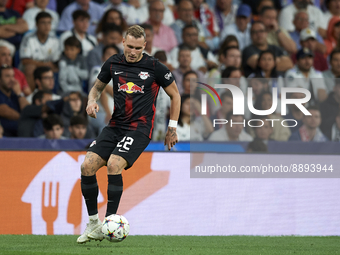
158,245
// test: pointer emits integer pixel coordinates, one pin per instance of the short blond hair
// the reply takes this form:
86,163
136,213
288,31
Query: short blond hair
136,31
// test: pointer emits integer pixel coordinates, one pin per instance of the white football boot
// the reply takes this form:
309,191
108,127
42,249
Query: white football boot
91,226
97,233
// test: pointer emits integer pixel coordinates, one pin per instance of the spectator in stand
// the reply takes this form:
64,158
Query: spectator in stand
53,127
329,110
40,6
161,56
106,99
301,23
6,58
226,107
250,54
12,26
39,48
231,57
74,105
260,5
202,59
190,127
1,131
308,40
233,75
229,41
241,27
78,127
164,36
44,80
111,16
20,6
316,16
334,71
129,12
12,101
333,34
294,112
304,75
143,12
277,35
206,17
72,67
231,131
225,12
257,146
263,129
81,21
184,60
30,122
264,102
149,48
190,85
310,131
186,17
95,10
335,132
94,58
333,10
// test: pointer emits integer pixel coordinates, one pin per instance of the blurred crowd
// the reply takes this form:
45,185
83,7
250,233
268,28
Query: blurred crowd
51,53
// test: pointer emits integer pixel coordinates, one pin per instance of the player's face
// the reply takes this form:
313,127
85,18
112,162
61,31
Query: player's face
133,48
55,133
7,80
81,24
44,26
47,81
5,56
78,131
312,121
41,3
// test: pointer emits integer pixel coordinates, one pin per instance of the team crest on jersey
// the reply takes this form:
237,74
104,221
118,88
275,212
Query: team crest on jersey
93,143
143,75
168,76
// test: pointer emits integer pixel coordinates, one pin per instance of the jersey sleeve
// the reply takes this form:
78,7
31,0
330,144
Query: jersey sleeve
163,75
105,72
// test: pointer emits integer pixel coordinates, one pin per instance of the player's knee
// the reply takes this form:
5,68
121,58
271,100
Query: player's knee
114,169
85,169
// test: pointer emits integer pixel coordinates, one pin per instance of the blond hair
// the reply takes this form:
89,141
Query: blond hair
136,31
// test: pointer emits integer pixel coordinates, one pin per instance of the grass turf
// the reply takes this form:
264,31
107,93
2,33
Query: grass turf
158,245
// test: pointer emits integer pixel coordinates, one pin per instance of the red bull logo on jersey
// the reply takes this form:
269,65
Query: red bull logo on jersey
130,87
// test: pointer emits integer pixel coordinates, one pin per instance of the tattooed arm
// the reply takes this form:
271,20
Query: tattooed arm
94,95
175,106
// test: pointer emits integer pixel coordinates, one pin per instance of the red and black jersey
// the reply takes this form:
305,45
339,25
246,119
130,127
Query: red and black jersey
135,88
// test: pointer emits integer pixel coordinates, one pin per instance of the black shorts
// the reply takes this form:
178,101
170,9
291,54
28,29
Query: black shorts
128,144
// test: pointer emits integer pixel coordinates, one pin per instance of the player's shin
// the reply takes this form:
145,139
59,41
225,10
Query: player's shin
114,193
89,189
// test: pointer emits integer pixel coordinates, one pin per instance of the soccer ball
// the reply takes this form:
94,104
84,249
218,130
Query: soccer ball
115,228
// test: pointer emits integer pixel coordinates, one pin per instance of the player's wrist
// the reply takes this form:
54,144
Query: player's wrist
91,101
172,124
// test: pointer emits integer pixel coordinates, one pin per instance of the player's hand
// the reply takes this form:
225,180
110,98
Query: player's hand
171,137
92,109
